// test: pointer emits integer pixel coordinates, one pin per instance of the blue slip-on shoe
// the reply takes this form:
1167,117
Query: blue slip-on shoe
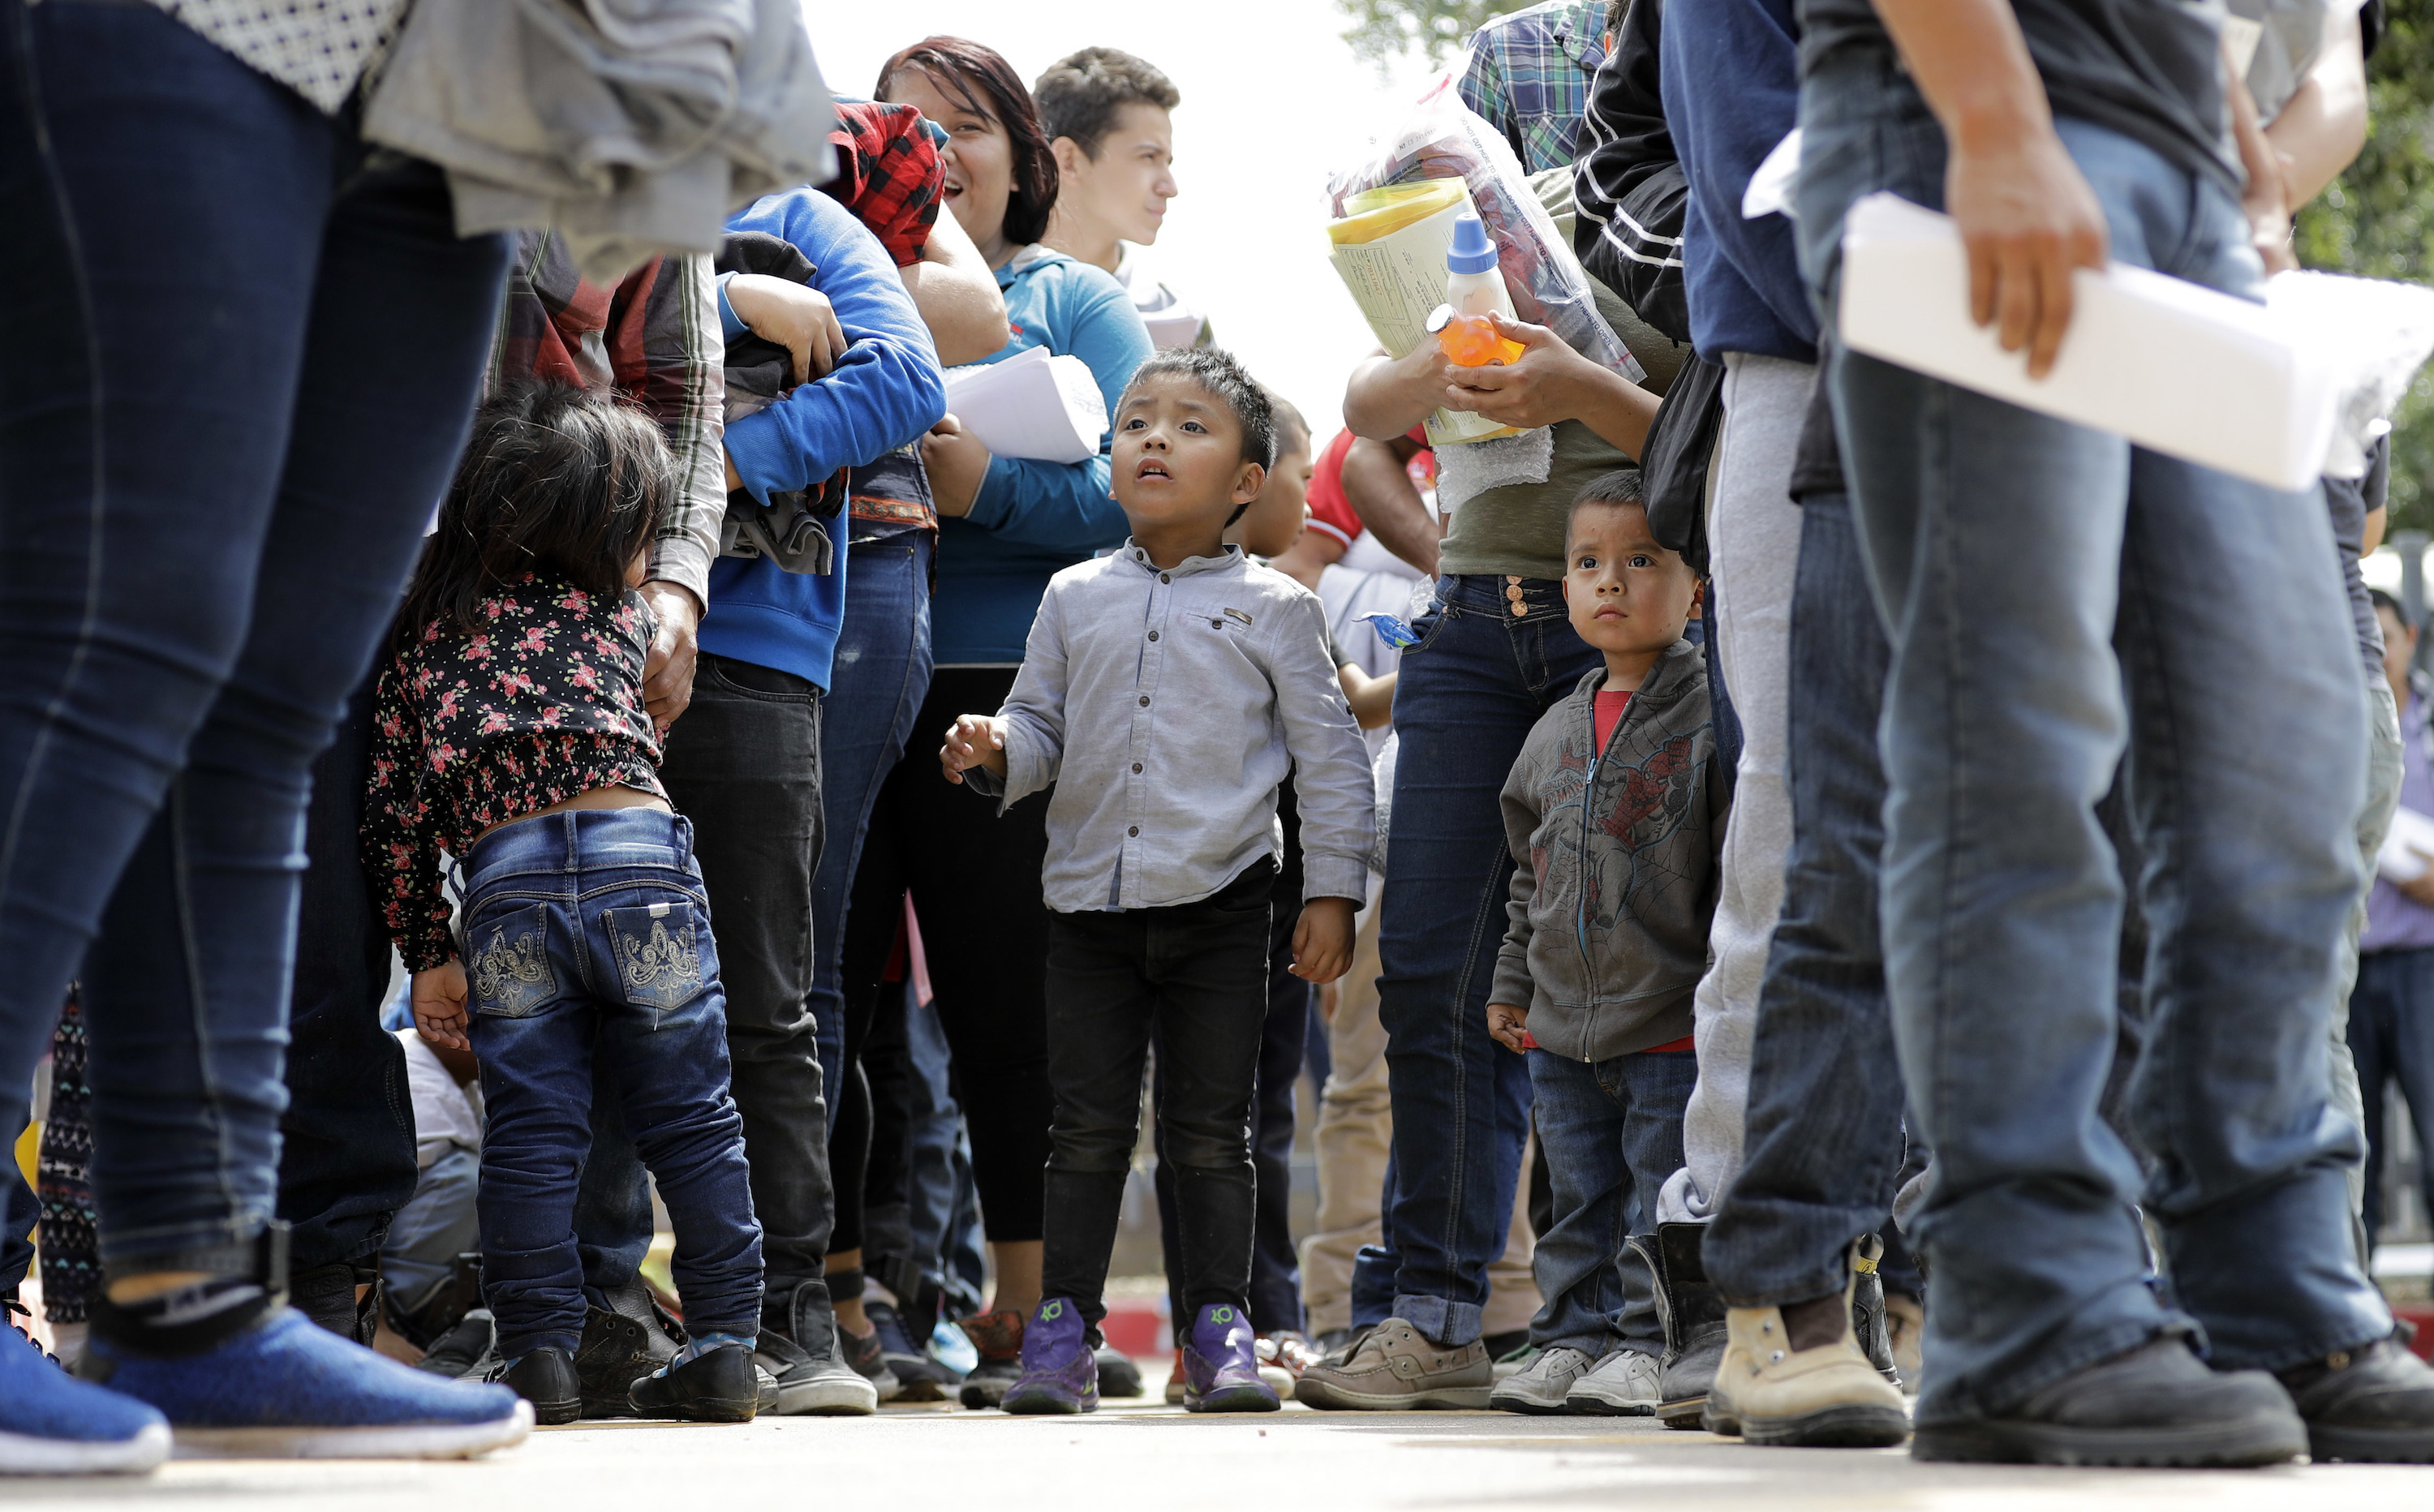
1221,1365
285,1389
1059,1372
53,1424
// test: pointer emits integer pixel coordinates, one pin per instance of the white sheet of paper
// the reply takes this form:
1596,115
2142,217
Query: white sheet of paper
1032,406
2412,832
1769,186
2173,367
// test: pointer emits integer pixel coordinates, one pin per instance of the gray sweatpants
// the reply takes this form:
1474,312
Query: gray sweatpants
1753,548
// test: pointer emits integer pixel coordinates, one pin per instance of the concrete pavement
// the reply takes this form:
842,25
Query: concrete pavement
942,1459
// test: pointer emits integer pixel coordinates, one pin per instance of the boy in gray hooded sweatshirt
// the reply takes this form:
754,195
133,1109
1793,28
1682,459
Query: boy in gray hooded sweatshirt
1615,815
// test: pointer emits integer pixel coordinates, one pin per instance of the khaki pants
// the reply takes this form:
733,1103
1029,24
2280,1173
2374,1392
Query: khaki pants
1356,1122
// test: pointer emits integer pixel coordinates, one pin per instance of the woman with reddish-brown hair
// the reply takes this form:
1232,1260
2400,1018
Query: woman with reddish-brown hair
1006,525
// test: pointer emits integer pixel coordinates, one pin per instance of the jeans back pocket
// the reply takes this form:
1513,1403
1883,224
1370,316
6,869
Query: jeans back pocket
661,951
507,963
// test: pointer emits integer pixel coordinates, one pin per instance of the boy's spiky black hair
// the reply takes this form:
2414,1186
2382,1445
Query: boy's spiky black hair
1226,380
1621,486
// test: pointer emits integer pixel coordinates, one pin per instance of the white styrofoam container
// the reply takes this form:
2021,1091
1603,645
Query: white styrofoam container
2173,367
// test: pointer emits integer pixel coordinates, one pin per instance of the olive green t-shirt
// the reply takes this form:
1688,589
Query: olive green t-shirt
1518,531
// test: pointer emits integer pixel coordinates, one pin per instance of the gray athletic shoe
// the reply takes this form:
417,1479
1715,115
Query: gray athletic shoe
1540,1387
1622,1385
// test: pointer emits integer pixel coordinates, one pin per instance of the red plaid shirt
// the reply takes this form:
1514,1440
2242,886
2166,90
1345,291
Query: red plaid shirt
890,176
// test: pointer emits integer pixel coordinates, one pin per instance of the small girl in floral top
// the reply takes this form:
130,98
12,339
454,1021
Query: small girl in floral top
511,734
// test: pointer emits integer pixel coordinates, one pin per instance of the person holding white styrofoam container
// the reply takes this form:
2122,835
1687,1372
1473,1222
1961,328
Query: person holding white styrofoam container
2058,595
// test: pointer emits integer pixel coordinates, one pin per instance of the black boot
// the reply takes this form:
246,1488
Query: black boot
546,1379
1693,1317
2375,1404
1868,1306
2156,1404
719,1387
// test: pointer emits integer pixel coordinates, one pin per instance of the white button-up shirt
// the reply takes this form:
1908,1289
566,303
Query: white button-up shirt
1166,706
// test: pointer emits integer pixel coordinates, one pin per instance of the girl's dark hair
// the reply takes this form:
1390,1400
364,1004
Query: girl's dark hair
988,87
555,481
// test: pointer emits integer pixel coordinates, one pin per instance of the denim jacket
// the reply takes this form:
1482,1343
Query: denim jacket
1617,858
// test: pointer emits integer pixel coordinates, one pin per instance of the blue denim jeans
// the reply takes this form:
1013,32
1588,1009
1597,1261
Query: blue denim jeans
241,363
1471,688
587,941
880,672
1612,1131
2011,555
2391,1033
1823,1141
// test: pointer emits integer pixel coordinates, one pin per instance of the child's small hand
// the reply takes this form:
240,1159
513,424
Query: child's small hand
439,1002
975,740
1323,940
1509,1026
957,464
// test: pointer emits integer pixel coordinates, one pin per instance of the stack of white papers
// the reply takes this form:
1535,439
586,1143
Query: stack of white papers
2171,365
1032,406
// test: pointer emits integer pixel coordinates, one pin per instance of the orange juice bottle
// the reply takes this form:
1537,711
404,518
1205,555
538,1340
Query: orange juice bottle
1475,288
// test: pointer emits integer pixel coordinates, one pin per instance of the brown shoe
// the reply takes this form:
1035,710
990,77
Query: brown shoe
997,1337
1396,1368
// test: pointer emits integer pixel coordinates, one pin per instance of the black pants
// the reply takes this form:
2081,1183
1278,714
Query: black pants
346,1161
1276,1268
1195,978
974,877
744,765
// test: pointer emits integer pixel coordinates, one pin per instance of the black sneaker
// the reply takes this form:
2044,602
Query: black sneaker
617,1351
921,1376
546,1379
798,1347
2370,1404
1118,1375
719,1387
2157,1404
466,1352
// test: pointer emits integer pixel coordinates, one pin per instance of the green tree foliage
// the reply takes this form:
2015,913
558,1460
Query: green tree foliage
1385,30
2378,219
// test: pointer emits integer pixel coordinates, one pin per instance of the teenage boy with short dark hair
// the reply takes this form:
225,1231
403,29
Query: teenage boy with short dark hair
1164,692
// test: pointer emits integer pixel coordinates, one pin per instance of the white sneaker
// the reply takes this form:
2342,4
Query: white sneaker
1622,1385
1542,1385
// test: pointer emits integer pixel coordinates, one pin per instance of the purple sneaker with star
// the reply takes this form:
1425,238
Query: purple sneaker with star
1221,1366
1059,1372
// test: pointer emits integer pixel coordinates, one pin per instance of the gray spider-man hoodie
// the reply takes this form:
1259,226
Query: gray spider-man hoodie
1616,855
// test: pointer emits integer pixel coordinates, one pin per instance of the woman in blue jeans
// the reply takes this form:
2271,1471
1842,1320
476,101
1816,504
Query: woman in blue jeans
241,356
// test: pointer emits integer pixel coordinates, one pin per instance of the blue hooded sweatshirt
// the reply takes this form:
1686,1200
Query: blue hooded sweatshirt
1032,519
885,391
1730,75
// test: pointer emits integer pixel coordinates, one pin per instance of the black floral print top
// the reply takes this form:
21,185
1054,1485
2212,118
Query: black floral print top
472,731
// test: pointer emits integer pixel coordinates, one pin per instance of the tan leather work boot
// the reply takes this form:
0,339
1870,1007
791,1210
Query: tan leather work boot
1829,1397
1395,1366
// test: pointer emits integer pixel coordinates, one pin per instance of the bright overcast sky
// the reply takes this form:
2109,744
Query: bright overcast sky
1273,103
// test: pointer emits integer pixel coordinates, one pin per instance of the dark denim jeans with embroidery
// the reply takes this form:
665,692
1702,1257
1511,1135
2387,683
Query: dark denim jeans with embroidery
586,934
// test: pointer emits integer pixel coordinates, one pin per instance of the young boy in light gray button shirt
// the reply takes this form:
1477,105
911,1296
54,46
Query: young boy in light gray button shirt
1165,691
